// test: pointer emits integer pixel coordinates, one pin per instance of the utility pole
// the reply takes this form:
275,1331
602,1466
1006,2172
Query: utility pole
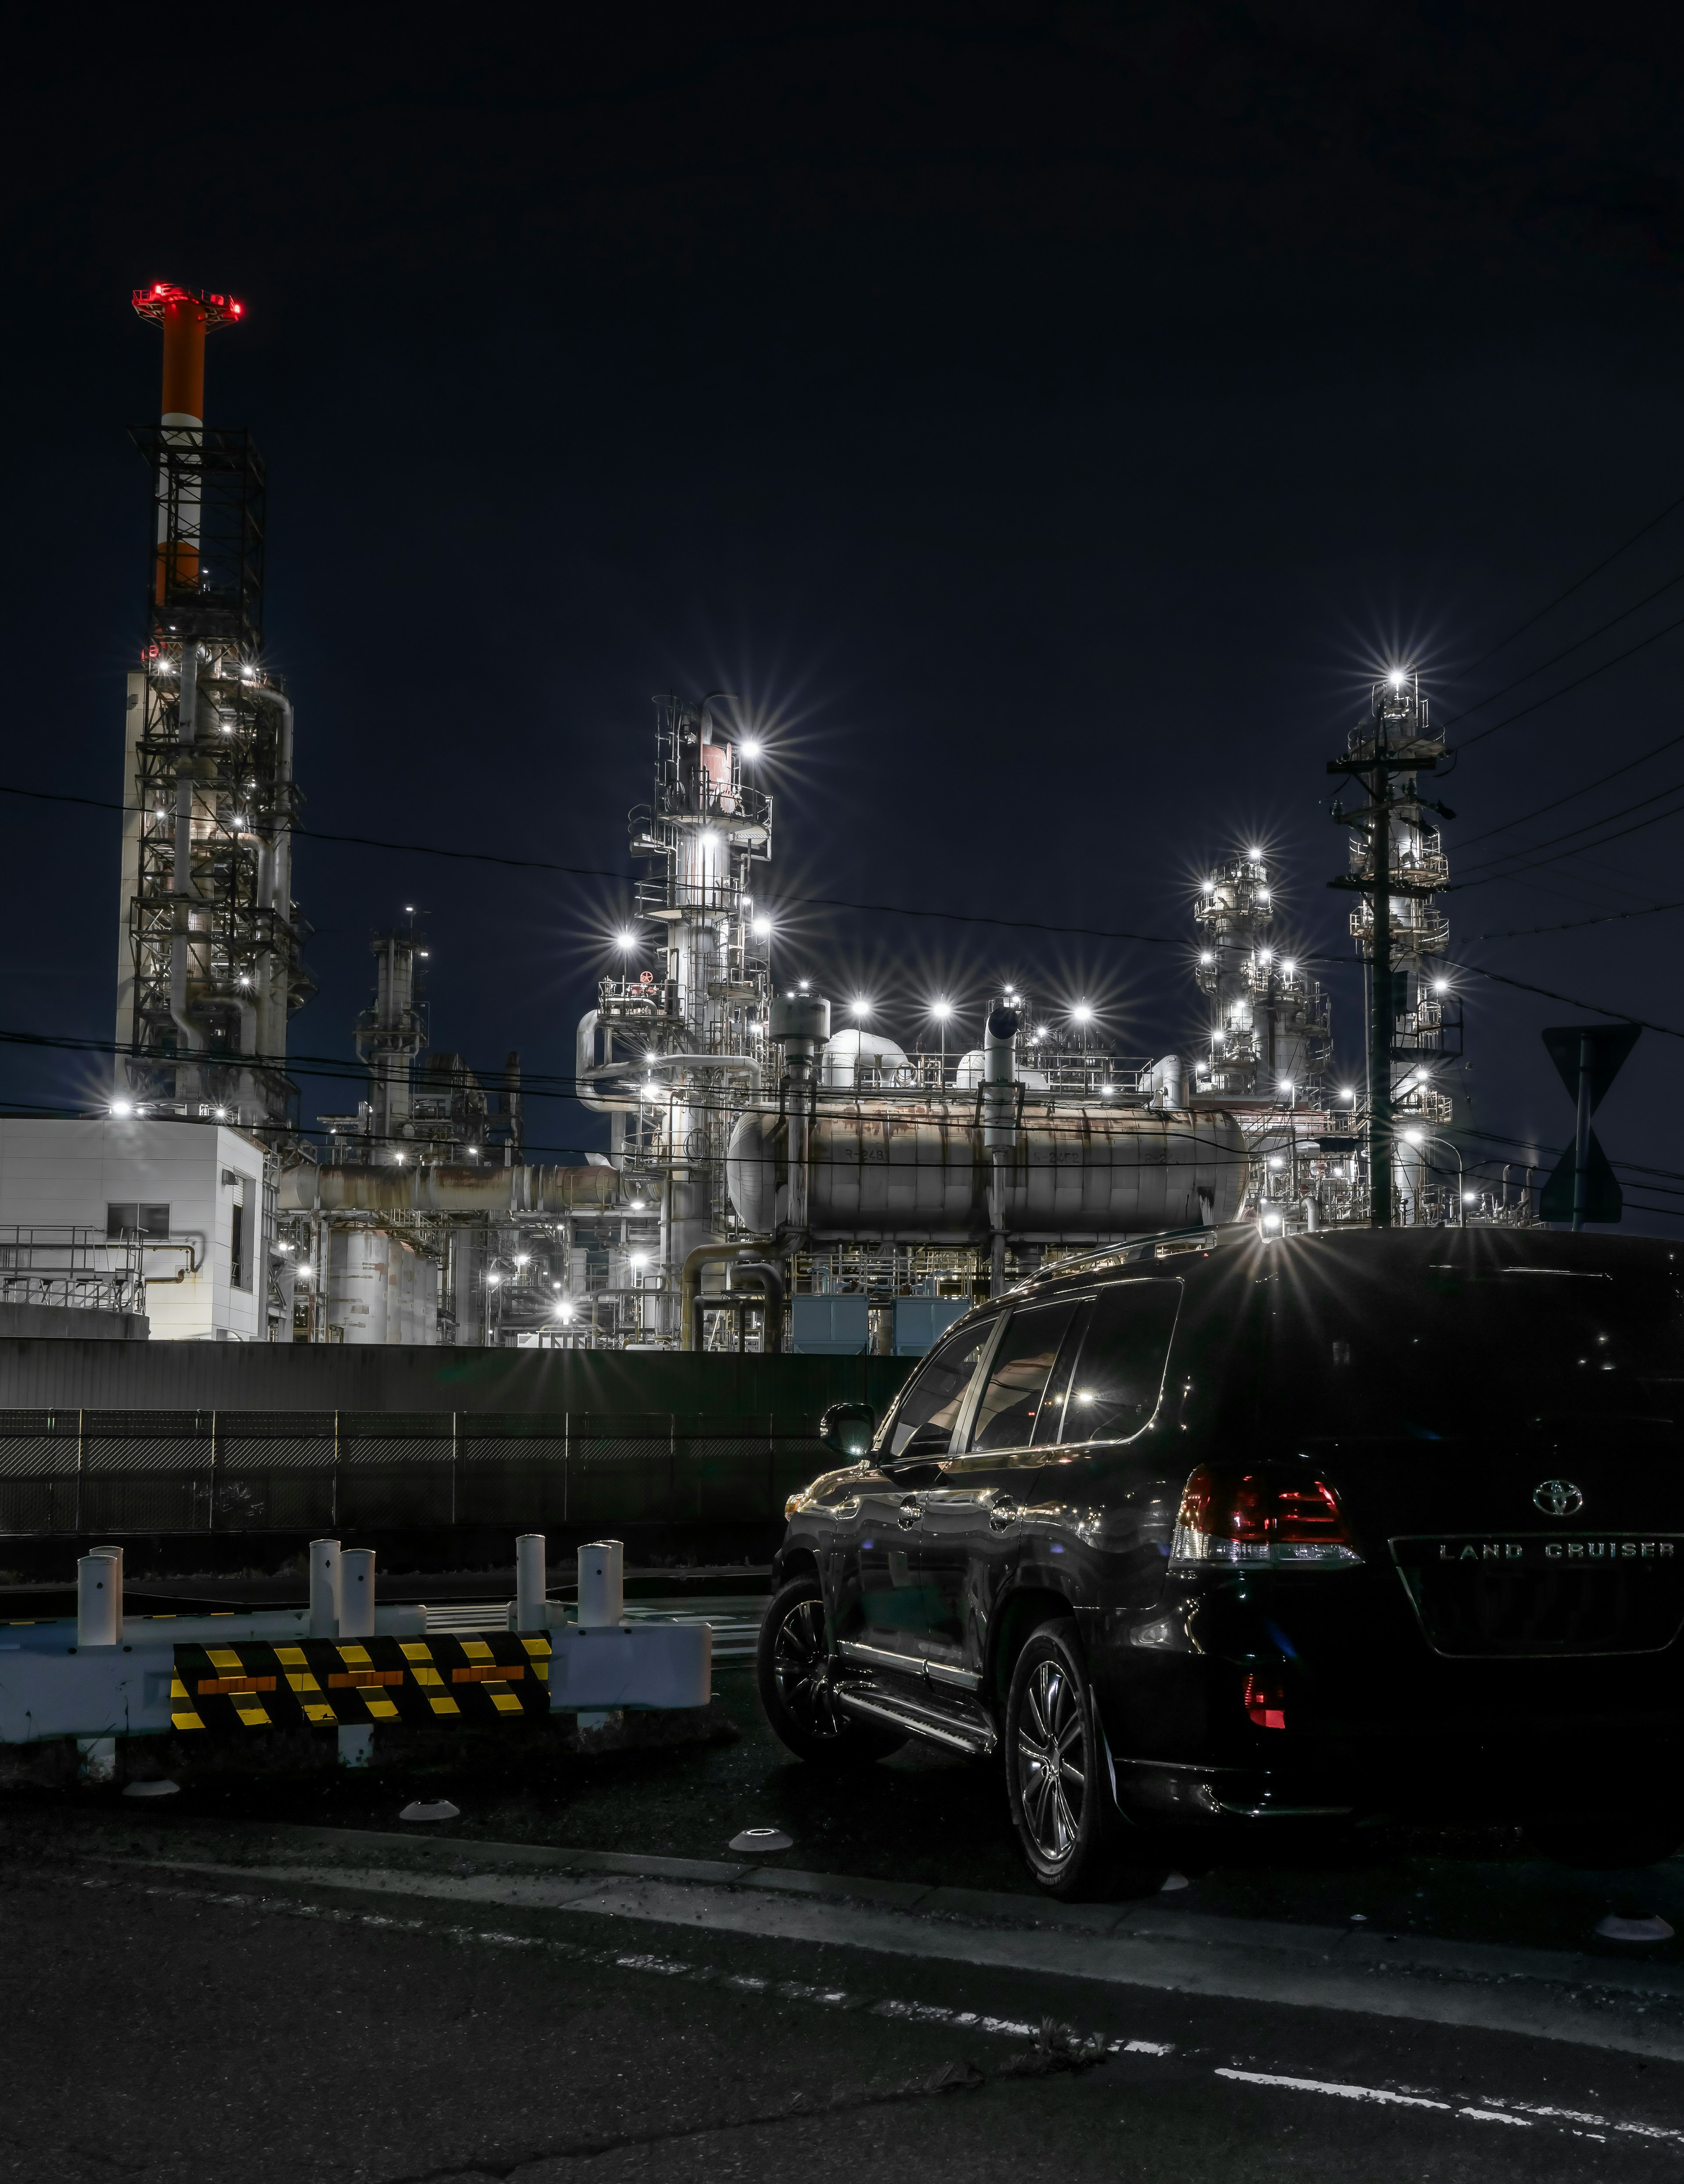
1581,1131
1392,742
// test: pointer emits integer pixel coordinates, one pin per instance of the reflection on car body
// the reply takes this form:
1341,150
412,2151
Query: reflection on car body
1343,1523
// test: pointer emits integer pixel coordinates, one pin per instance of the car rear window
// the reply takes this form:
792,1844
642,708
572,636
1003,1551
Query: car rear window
1452,1349
1010,1403
1118,1376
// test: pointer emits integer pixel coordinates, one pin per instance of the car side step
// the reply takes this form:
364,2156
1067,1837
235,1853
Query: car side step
977,1739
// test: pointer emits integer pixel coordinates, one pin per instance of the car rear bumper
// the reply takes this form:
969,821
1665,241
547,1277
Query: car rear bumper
1508,1771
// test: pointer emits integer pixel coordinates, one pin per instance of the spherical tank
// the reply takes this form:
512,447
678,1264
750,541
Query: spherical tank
919,1174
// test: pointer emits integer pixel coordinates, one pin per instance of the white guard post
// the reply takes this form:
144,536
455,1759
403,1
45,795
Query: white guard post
324,1588
356,1620
529,1610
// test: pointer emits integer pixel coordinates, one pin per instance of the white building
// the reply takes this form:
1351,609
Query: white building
195,1192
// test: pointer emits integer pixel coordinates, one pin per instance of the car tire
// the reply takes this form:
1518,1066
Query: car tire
1056,1777
1607,1845
793,1670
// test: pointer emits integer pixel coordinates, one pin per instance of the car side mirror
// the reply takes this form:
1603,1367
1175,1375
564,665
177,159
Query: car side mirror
847,1427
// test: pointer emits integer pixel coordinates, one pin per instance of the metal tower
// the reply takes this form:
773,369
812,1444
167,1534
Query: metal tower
208,962
1397,859
682,1042
1270,1033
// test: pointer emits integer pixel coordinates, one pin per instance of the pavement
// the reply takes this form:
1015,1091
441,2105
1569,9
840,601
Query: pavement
272,1979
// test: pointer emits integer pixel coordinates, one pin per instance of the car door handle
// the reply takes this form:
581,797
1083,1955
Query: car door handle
1004,1512
910,1511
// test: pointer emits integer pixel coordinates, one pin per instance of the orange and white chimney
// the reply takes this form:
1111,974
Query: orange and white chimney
186,317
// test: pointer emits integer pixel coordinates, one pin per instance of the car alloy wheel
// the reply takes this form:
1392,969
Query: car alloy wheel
1057,1777
796,1676
801,1669
1051,1761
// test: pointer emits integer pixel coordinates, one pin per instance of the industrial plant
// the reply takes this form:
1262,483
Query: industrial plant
773,1180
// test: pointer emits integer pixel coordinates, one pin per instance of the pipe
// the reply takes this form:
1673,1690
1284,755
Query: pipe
689,1282
770,1273
999,1128
499,1192
1168,1080
275,887
800,1025
181,875
584,1068
282,877
697,1061
195,1261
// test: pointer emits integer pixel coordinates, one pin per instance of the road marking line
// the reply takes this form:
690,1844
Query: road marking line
1340,2093
1379,2093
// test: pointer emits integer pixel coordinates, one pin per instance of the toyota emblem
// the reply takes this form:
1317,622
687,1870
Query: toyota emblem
1558,1497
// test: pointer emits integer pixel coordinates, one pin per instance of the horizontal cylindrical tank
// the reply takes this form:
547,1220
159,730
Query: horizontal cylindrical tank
918,1174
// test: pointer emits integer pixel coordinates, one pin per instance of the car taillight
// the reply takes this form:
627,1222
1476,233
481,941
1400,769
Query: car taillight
1265,1703
1266,1517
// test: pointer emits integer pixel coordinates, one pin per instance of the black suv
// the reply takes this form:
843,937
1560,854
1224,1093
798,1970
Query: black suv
1349,1523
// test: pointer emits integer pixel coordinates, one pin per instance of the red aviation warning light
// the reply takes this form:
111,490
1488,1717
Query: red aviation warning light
185,315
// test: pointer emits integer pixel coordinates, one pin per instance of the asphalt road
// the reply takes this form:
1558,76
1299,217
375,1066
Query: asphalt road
177,2026
254,1980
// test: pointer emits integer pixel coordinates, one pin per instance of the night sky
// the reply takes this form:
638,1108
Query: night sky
1049,418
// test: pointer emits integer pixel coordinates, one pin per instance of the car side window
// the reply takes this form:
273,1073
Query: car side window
1119,1374
937,1391
1022,1364
1050,1419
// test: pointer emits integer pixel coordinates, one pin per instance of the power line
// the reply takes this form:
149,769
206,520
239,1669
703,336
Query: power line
1577,924
1567,650
1560,855
1573,1000
1589,827
1584,789
624,880
1578,683
1579,583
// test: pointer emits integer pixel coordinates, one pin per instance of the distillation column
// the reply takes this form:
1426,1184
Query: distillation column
209,940
684,1051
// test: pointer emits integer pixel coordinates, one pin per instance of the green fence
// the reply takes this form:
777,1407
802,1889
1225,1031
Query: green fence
116,1471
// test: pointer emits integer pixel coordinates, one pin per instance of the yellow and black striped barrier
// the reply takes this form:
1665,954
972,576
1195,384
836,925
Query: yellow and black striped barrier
321,1682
